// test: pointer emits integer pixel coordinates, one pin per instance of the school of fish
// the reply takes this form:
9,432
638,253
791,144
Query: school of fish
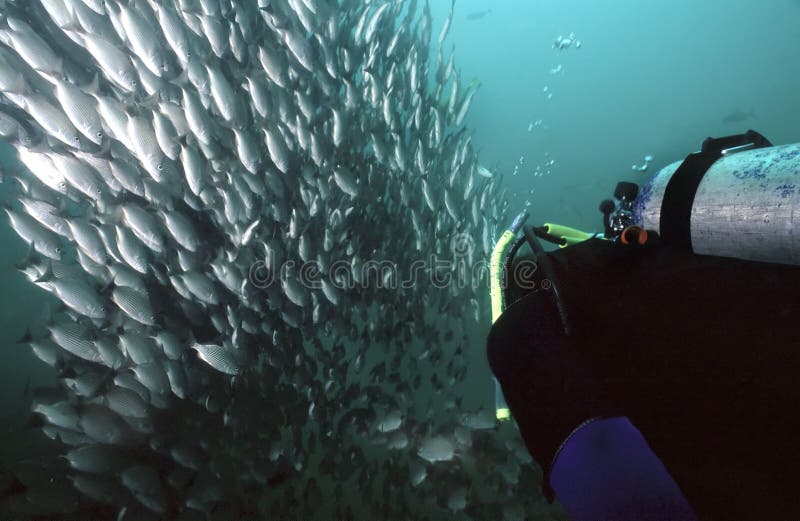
224,198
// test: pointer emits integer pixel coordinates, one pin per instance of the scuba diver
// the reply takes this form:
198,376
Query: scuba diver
653,370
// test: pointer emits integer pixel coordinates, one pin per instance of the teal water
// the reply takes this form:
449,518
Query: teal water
21,306
654,77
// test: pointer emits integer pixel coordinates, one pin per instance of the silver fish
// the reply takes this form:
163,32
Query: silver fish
81,109
44,241
115,64
436,448
113,115
216,32
104,426
79,175
47,215
61,414
166,136
81,297
219,357
111,356
131,250
182,230
138,348
278,152
174,32
99,488
223,95
142,38
144,226
197,118
31,47
135,304
88,240
52,119
11,80
201,287
76,340
95,459
273,62
152,376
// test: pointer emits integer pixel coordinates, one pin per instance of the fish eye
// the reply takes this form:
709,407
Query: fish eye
62,185
160,167
99,134
59,249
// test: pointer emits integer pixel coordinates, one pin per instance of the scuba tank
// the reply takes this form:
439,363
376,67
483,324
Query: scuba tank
738,197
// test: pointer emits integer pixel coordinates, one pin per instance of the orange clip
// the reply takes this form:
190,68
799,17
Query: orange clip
633,235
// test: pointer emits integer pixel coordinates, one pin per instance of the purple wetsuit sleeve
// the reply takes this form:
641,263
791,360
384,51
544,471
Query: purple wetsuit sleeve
606,471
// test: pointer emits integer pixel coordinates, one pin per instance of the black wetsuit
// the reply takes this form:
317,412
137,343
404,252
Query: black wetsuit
701,353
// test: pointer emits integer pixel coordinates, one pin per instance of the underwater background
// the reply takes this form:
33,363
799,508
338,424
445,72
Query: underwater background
561,126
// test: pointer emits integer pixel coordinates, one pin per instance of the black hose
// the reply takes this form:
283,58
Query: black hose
547,270
507,268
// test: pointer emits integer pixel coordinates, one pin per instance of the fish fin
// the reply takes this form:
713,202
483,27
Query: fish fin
94,221
182,78
191,342
13,174
93,87
29,258
109,375
119,93
112,5
72,26
209,173
34,421
116,211
63,211
58,308
26,337
105,290
150,101
229,15
105,150
48,275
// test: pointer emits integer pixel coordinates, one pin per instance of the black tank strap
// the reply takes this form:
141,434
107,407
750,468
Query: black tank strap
547,269
676,209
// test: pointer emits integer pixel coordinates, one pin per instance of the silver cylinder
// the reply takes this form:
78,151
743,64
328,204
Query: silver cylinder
747,205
